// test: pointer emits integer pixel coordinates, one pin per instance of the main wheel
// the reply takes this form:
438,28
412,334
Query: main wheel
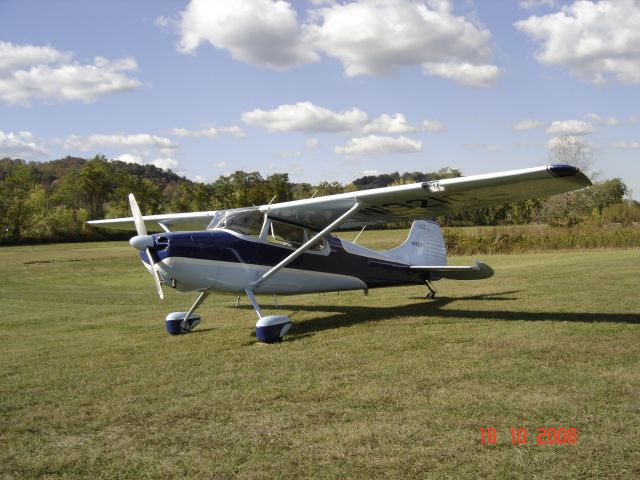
273,328
175,326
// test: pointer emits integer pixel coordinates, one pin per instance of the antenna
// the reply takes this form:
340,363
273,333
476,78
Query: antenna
358,236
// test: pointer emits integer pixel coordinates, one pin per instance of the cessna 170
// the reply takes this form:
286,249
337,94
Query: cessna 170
288,247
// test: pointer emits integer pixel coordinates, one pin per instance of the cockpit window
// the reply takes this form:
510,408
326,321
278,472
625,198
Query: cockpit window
247,222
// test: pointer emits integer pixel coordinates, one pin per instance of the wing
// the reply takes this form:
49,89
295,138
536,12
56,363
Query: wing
391,204
430,199
159,223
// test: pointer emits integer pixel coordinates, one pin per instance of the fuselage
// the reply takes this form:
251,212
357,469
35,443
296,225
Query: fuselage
228,261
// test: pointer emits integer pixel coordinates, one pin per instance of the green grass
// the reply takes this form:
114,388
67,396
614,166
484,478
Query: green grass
384,386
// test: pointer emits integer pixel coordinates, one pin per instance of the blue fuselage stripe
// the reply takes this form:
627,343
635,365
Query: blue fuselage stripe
222,246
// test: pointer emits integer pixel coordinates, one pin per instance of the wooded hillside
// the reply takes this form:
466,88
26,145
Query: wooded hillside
51,201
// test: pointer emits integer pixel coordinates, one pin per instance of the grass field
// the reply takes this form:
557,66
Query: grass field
384,386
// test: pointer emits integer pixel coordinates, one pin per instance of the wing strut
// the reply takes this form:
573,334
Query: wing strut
304,247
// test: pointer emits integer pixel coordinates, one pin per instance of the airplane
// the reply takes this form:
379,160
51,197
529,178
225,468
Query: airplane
290,247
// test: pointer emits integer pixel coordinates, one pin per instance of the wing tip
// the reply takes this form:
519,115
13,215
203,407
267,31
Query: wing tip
561,170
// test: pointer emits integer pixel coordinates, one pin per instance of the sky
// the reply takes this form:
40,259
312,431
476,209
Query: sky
322,90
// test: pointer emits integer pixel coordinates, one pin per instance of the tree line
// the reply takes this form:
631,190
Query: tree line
52,201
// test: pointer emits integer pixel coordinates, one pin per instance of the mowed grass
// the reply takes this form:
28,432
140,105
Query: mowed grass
384,386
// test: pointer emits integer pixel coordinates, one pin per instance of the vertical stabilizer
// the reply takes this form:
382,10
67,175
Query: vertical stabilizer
424,246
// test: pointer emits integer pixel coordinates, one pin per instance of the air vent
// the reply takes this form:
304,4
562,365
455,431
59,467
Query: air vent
162,243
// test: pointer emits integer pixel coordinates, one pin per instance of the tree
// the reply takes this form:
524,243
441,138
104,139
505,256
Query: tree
326,188
526,211
606,193
570,150
571,207
96,182
249,189
147,193
15,190
301,191
278,187
626,212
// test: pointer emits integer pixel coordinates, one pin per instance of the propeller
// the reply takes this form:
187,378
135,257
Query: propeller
142,241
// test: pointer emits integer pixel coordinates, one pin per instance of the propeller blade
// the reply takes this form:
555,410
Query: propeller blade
137,216
155,274
142,240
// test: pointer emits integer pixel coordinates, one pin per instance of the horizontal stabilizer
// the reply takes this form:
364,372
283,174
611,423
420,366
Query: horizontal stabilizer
477,272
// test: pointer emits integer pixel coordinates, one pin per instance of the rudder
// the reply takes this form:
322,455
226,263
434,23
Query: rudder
424,245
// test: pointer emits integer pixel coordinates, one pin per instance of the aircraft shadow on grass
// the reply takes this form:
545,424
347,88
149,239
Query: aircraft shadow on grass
346,316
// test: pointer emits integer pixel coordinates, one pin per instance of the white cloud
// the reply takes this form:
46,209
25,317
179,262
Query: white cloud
306,117
598,120
593,40
433,126
24,145
634,119
389,124
626,145
29,72
143,141
466,73
309,118
527,124
570,127
166,163
18,57
221,164
378,145
378,37
369,37
312,143
531,4
566,141
368,173
295,154
166,23
140,148
264,33
234,130
209,132
482,146
130,158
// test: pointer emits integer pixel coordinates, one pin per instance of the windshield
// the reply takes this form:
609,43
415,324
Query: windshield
247,222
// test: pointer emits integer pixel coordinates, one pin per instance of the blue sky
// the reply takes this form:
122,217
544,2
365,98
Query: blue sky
320,89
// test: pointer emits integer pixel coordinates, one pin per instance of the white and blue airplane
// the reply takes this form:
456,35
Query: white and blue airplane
289,248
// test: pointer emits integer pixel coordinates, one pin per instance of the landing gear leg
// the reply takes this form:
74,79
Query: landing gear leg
254,302
432,291
272,328
187,323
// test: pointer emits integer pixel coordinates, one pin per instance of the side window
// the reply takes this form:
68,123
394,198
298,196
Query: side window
293,236
287,234
319,246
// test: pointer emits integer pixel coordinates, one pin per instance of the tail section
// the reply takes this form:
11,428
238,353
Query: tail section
423,246
424,250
